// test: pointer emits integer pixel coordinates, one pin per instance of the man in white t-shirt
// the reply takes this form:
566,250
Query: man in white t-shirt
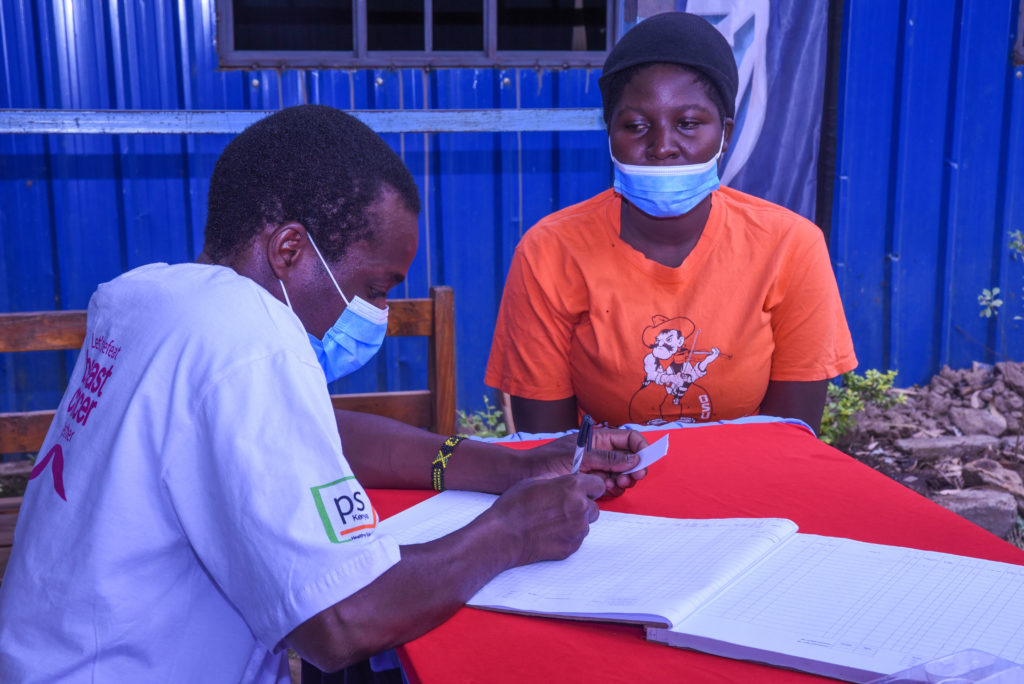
191,513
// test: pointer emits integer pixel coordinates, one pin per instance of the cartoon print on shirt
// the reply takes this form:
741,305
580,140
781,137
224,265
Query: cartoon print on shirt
669,390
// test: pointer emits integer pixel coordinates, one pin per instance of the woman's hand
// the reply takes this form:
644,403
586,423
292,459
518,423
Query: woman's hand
612,451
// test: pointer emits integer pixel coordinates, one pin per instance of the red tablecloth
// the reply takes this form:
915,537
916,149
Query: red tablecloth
721,471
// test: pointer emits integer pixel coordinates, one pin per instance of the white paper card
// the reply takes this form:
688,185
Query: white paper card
650,453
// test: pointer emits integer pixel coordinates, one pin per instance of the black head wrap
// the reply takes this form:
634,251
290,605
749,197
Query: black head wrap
678,38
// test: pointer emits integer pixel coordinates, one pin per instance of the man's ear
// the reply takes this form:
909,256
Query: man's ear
727,126
285,245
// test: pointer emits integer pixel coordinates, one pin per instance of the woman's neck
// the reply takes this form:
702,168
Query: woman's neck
667,241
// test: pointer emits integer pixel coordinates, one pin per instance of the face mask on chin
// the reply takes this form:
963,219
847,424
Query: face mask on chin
666,191
353,339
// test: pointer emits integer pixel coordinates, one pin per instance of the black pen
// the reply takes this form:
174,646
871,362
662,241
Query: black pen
582,442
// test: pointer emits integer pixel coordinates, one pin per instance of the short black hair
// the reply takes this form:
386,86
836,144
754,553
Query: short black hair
313,164
611,90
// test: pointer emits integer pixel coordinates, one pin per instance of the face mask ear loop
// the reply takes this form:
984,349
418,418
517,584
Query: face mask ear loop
721,146
612,154
322,261
286,300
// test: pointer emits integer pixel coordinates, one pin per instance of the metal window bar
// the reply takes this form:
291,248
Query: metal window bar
176,122
491,29
361,34
428,26
1018,46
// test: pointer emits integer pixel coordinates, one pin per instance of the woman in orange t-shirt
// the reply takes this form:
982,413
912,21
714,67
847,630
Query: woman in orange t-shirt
669,298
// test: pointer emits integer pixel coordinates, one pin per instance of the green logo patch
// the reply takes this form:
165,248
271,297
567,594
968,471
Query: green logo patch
344,509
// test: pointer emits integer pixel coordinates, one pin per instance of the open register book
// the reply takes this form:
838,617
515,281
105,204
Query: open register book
755,589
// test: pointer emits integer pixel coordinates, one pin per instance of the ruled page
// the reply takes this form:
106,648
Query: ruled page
630,567
854,610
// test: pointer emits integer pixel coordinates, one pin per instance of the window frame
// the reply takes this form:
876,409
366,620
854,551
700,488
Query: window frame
361,58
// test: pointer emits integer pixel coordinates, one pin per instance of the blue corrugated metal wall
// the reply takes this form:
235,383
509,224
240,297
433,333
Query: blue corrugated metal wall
76,210
928,184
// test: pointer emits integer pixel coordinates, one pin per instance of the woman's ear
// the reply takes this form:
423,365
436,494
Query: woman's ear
285,245
727,126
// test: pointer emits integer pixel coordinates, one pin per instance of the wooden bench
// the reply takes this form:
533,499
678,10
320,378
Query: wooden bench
433,408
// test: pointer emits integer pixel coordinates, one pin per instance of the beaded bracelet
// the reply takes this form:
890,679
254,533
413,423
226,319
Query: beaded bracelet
441,460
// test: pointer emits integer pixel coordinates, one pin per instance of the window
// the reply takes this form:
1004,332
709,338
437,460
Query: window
413,33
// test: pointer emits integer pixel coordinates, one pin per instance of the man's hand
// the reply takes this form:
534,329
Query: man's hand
612,451
548,518
536,519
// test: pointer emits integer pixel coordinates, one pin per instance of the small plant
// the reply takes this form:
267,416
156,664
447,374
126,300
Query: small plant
1017,254
852,394
488,422
989,299
1017,244
989,302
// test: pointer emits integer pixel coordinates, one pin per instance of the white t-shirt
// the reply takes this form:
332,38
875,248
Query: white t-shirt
192,504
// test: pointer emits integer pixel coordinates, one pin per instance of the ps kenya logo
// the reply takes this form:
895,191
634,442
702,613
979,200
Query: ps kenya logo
344,511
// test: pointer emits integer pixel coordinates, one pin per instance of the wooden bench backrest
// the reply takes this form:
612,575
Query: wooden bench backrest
433,408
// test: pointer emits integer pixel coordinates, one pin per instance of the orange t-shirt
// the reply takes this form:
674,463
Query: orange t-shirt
584,314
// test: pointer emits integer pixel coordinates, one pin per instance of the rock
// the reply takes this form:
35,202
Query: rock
939,403
1008,401
965,447
986,472
993,510
979,376
1013,375
915,483
973,421
948,474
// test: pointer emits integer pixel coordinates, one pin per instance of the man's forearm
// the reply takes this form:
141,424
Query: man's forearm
386,453
424,589
535,520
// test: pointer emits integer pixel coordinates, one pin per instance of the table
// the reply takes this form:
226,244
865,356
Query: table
717,471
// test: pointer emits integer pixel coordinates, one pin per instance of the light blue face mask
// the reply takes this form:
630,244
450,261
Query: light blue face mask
664,191
353,339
